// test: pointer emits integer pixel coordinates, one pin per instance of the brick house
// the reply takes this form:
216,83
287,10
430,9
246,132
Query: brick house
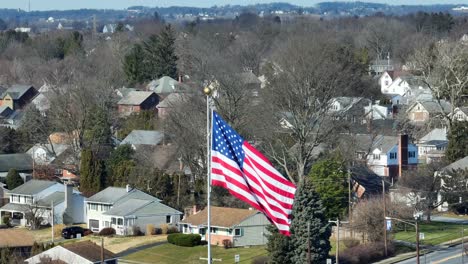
137,101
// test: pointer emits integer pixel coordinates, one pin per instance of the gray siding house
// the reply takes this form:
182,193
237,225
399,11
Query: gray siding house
243,227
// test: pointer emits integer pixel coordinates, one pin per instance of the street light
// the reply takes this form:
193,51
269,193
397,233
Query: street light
416,226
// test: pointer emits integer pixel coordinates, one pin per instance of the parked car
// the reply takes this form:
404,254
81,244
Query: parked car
72,231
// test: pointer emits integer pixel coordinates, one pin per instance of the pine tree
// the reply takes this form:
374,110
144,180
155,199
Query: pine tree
120,165
160,56
135,67
458,141
86,172
308,208
13,179
278,246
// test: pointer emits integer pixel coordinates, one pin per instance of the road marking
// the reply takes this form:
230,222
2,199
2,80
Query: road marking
445,259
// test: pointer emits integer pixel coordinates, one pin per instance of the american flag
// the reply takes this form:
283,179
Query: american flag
249,176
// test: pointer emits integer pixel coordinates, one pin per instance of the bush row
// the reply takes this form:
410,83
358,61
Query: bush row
184,240
366,253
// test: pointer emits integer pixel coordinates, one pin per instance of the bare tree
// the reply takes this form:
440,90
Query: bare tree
443,67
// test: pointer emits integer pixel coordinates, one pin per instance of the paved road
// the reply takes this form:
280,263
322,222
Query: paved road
451,255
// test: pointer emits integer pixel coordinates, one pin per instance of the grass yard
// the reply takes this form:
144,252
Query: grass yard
434,232
168,254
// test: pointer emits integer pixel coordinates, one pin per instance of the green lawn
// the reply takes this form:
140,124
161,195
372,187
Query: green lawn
168,254
434,232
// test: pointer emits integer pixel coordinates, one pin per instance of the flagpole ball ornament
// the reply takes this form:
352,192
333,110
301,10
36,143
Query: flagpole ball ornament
207,91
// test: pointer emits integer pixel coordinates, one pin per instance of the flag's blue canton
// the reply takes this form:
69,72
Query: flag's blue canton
227,141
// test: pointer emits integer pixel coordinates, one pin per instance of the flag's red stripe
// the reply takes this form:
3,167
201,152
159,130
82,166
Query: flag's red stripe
274,176
257,179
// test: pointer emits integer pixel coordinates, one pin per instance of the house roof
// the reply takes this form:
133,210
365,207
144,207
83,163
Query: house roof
9,238
166,85
437,143
56,198
41,102
368,142
249,78
20,162
140,207
88,250
220,216
435,134
461,164
32,187
368,179
135,98
5,111
172,100
143,137
433,107
463,109
58,148
124,91
15,207
17,91
112,195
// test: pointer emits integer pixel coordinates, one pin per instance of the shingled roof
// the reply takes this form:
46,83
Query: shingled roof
20,162
220,216
10,238
135,98
89,251
17,91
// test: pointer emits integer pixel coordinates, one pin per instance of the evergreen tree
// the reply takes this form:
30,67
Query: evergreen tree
331,183
13,179
98,132
92,173
160,54
278,246
458,141
308,208
120,165
135,66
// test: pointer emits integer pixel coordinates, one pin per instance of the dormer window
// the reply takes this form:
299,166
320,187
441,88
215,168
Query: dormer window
376,156
393,155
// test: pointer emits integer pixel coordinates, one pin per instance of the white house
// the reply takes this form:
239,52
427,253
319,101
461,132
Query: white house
243,227
84,252
385,80
39,196
460,114
432,146
402,84
109,28
377,112
124,208
46,153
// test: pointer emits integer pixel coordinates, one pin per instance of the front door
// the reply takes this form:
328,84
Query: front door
94,225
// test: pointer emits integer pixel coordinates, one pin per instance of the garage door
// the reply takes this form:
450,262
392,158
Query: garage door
94,225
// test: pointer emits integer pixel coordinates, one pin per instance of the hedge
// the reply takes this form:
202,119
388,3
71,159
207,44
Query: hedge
107,231
184,240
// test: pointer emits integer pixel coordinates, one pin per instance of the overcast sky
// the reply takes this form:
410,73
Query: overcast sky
121,4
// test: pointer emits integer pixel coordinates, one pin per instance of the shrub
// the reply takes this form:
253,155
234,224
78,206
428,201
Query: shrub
150,230
88,232
351,242
164,228
172,230
261,260
227,243
184,240
157,231
365,253
459,208
107,231
136,231
6,220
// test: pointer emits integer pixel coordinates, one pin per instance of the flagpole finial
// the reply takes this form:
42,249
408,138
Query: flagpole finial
207,91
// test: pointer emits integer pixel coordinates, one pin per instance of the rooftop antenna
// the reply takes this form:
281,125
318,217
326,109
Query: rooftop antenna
29,6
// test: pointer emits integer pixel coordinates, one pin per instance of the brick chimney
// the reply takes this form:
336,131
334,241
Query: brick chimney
402,154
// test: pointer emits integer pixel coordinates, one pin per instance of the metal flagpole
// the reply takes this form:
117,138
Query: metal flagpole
209,114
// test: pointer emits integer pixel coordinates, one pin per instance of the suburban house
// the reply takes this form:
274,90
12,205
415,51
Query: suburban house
3,194
402,84
377,112
38,197
447,172
423,111
44,154
126,208
460,114
124,91
137,101
348,108
166,85
411,96
171,101
432,146
84,252
41,101
17,96
364,182
242,227
22,162
385,155
5,112
19,241
138,138
109,28
385,80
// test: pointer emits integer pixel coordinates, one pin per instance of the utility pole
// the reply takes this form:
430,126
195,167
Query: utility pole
338,222
53,220
349,200
102,250
384,217
417,242
309,261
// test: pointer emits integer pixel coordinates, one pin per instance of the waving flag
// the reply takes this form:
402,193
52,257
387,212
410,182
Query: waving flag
249,176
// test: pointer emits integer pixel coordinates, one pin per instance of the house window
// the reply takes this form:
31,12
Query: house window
376,156
29,200
412,154
237,232
114,220
386,82
106,224
119,221
15,199
168,219
93,206
393,155
202,231
214,230
105,207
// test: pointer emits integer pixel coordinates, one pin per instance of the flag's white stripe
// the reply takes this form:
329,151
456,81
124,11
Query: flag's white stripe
236,189
270,168
261,177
